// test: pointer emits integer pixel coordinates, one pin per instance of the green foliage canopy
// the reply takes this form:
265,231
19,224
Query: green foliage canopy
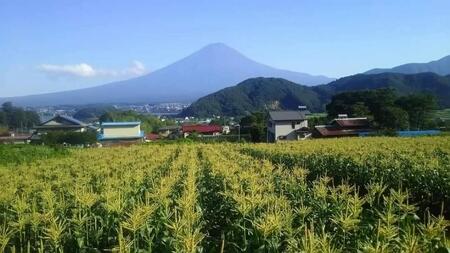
385,108
16,117
149,123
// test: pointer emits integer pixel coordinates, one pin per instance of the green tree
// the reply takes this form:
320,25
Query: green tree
3,119
106,117
7,107
393,118
385,108
255,125
361,102
149,123
32,119
359,109
16,117
317,120
419,108
72,138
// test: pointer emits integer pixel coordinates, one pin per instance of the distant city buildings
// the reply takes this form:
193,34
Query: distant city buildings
159,109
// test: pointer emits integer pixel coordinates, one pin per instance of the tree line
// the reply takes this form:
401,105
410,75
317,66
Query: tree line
16,118
385,109
149,123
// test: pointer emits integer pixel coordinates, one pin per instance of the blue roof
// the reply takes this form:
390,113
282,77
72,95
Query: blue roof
130,123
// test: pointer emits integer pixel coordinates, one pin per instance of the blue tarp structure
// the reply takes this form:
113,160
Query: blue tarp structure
407,133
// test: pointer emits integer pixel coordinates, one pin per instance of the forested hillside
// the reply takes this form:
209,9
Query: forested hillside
254,95
259,94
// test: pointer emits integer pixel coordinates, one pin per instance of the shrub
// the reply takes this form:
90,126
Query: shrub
71,138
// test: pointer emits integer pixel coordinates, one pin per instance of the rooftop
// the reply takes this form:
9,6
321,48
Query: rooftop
73,121
287,115
169,128
351,122
201,128
113,124
330,131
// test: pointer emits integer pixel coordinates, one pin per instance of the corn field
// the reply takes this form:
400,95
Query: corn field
346,195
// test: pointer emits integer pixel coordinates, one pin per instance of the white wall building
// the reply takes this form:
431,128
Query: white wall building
286,125
120,131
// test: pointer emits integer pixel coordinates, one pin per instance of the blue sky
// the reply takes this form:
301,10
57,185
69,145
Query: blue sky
63,44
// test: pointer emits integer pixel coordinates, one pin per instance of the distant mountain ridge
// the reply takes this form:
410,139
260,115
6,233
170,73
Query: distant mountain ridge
440,67
258,94
213,67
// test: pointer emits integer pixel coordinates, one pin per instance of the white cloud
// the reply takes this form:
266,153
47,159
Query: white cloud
85,70
81,70
137,69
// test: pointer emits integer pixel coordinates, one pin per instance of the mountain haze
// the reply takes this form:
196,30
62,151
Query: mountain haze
440,67
212,68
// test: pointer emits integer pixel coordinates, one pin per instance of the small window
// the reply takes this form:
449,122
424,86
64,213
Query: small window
293,124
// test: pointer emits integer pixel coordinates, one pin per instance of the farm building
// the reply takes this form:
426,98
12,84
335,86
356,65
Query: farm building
342,127
152,137
113,133
15,138
286,125
169,130
60,123
201,129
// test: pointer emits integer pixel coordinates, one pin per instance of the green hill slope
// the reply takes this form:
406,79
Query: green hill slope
255,94
258,94
438,86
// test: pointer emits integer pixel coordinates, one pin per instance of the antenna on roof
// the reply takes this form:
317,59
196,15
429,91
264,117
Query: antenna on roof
303,109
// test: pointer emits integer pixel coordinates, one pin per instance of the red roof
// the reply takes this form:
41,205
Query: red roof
152,137
352,122
329,131
203,129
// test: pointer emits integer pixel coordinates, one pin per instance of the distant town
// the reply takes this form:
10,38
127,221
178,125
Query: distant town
159,109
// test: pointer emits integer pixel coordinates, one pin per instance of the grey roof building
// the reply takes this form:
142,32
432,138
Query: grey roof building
287,115
60,123
286,125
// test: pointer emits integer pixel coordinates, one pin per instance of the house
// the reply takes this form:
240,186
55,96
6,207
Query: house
169,130
60,123
343,127
201,129
15,138
113,133
152,137
287,125
226,129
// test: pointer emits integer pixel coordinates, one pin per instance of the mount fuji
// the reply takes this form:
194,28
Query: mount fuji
212,68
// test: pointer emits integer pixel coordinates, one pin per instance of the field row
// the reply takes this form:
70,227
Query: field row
420,165
203,198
